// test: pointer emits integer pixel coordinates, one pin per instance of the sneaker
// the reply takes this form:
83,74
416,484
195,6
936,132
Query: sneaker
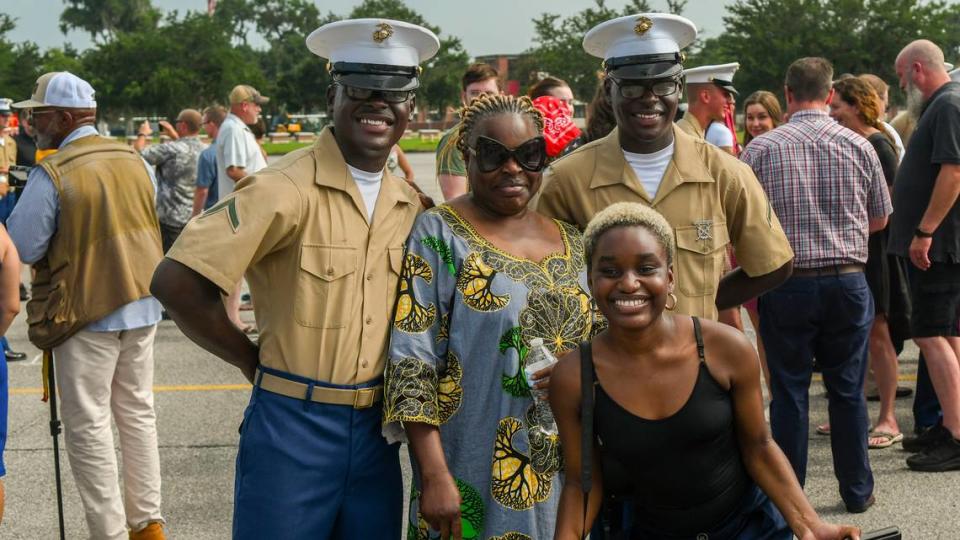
943,456
925,439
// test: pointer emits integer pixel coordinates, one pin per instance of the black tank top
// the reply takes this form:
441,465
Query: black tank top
683,473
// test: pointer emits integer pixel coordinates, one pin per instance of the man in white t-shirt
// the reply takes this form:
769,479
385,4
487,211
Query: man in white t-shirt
238,156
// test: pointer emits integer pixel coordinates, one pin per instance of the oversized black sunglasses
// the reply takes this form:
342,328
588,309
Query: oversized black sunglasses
491,154
390,96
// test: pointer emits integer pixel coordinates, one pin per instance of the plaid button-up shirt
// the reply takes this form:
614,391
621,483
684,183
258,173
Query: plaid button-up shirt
824,182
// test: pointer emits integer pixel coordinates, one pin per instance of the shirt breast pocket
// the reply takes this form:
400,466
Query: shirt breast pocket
700,257
326,288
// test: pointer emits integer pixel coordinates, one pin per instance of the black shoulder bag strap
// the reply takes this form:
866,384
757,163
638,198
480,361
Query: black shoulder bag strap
586,426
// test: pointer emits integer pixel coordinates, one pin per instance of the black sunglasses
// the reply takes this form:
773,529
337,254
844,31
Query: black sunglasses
390,96
491,154
637,89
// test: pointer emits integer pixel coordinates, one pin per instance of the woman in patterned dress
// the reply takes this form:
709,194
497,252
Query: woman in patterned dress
483,275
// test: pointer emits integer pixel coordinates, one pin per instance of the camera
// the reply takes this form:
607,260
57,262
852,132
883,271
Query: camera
18,175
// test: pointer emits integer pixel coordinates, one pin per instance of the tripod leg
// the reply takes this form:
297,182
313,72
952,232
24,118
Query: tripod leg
55,433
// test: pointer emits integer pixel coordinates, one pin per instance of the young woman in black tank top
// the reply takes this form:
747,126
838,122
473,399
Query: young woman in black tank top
678,422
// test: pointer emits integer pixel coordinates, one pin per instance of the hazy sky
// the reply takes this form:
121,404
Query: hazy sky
484,26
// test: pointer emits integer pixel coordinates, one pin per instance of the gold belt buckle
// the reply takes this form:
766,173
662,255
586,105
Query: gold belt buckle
364,398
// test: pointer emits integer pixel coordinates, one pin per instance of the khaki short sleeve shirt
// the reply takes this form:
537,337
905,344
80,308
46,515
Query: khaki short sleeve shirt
709,197
691,126
323,279
8,152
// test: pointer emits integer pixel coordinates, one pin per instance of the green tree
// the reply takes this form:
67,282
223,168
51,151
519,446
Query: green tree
145,72
22,63
858,36
103,19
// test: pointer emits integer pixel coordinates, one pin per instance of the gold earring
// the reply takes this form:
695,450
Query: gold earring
673,297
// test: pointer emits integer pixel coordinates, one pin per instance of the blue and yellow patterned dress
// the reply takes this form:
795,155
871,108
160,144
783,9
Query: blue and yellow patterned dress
466,313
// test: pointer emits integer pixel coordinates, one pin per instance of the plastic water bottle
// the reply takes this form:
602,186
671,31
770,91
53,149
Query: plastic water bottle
538,358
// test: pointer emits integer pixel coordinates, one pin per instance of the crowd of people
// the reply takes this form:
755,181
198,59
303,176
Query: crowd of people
625,248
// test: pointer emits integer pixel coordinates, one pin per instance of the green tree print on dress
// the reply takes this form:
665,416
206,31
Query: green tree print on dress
443,250
471,515
516,383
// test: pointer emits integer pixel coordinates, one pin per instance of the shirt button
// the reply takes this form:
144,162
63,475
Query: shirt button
330,271
369,277
363,364
369,320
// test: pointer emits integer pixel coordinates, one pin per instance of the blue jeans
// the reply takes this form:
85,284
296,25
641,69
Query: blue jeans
826,317
756,518
315,470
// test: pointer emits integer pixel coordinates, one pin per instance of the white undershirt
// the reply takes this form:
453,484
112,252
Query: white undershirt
649,168
369,185
719,135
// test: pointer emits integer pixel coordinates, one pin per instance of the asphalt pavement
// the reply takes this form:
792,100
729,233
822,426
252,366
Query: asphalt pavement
200,401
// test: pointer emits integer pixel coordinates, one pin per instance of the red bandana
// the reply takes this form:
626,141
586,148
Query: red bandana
558,127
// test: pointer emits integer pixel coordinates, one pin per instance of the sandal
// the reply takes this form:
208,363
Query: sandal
887,439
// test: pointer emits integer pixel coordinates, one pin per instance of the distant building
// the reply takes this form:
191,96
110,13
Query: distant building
507,65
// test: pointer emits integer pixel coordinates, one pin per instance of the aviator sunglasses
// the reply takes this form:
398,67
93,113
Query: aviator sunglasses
390,96
491,154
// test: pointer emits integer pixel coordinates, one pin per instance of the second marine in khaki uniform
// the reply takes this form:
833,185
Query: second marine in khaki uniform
709,197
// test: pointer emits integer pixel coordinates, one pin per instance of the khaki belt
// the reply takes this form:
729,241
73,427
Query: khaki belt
835,270
361,398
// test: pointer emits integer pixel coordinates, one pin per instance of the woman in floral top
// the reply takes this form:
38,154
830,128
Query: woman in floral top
484,275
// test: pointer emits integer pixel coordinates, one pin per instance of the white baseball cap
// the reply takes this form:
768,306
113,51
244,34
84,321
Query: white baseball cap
378,54
60,89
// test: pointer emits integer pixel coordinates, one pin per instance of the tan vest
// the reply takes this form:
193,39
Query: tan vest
107,243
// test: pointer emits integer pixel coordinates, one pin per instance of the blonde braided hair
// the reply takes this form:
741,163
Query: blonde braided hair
488,105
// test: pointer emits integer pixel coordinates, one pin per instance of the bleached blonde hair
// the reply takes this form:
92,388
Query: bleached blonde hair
628,214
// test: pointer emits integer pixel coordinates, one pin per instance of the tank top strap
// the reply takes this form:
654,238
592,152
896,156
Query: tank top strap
698,335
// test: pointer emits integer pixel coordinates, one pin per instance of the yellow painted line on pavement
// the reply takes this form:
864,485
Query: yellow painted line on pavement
901,378
160,388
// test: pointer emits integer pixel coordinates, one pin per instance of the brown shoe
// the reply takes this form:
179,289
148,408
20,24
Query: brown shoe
153,531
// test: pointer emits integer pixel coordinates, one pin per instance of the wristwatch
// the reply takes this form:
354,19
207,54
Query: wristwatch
920,233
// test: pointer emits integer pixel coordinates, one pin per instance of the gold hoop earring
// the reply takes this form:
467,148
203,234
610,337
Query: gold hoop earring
673,297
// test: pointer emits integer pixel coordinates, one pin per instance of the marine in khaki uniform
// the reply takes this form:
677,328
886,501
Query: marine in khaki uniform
319,236
709,197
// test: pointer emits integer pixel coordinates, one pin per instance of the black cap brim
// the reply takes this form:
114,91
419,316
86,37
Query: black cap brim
656,70
370,81
729,88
